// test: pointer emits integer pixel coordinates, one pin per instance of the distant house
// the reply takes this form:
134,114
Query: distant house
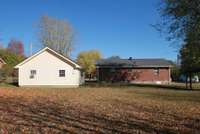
134,70
2,62
49,68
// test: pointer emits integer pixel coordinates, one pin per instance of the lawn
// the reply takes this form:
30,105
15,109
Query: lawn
99,110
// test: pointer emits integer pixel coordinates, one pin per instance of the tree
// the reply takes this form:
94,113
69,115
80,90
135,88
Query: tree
16,47
88,60
1,44
190,61
11,60
181,22
175,72
56,34
180,18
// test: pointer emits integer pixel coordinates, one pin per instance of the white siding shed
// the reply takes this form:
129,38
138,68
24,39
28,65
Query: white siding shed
49,68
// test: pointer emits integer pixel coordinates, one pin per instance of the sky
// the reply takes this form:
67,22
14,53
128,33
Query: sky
114,27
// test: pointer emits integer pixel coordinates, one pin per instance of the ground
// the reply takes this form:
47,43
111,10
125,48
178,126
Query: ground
99,110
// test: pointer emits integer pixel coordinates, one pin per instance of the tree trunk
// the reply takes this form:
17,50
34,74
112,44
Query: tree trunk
186,82
190,80
90,76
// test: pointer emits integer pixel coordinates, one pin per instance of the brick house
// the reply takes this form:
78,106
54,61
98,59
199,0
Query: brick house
134,70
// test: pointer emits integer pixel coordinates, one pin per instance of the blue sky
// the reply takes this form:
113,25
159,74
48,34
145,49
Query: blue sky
115,27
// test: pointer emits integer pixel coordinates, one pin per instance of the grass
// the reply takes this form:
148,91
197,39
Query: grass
172,86
99,110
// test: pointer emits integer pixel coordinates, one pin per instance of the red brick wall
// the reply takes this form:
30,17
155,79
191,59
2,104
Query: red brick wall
137,75
150,75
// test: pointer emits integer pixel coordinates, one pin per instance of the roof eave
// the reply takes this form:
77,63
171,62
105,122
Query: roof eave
126,66
46,49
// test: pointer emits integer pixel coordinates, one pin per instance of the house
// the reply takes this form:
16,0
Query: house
2,62
49,68
134,70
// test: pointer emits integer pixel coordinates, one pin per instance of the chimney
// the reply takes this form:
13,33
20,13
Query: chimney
130,58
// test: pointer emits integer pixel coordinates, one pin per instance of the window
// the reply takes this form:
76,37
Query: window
156,71
61,73
32,74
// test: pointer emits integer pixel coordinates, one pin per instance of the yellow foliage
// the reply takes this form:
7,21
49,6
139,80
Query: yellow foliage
87,60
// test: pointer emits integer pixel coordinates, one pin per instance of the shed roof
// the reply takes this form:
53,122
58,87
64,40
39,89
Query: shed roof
61,57
118,62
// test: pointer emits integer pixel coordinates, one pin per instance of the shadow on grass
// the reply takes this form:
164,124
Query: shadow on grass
122,85
4,84
44,116
160,86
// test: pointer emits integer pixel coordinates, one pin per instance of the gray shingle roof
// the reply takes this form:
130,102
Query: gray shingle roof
117,62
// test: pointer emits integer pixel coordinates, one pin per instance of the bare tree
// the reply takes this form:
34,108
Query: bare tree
56,34
16,46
